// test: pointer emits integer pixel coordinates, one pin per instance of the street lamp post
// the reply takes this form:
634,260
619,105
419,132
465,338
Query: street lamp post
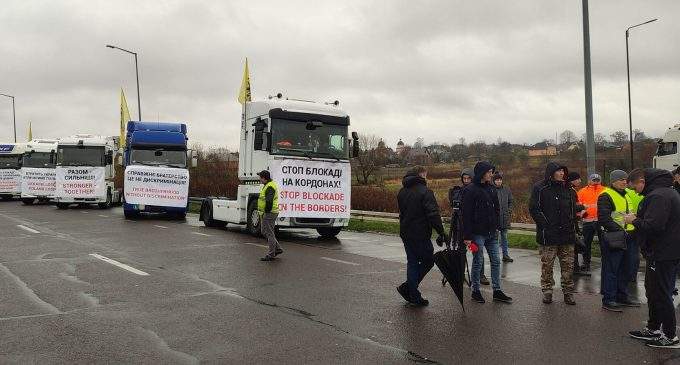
14,116
139,106
630,115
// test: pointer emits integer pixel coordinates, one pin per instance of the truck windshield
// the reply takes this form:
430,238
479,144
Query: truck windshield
300,138
80,156
10,162
38,159
159,157
667,148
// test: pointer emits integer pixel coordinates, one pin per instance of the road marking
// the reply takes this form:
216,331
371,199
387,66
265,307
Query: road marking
340,261
119,264
103,216
27,229
156,225
201,234
255,244
84,212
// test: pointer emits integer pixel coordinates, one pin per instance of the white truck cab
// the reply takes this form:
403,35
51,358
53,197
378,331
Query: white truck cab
85,171
667,154
306,148
38,180
10,170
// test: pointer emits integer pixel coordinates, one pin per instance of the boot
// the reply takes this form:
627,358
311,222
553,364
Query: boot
547,297
569,299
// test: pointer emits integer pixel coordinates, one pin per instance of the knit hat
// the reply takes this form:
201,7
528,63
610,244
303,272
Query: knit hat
497,176
264,174
617,175
594,177
573,176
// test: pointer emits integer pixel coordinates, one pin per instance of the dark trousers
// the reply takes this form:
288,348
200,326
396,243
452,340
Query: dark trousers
419,261
659,285
633,260
590,229
615,274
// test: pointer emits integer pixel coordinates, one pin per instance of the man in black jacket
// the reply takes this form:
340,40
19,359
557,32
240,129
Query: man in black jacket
553,208
418,216
676,179
480,226
657,226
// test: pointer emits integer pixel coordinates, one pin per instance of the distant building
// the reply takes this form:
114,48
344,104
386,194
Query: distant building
541,149
400,147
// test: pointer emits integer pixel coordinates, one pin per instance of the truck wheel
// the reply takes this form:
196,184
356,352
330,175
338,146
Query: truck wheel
180,216
130,214
253,219
6,197
28,201
329,232
62,205
207,214
108,201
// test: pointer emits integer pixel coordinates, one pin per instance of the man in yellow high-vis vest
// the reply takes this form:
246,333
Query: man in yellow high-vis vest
268,207
612,205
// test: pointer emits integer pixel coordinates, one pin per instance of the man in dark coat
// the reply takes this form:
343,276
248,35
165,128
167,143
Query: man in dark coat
657,227
553,208
480,226
418,216
676,179
505,203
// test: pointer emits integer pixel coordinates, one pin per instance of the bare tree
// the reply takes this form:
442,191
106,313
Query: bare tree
619,138
639,136
367,163
567,137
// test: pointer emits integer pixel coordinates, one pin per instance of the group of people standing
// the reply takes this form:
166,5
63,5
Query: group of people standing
638,213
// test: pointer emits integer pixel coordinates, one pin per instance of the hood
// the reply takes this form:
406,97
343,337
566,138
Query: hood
550,169
466,171
481,168
657,178
412,179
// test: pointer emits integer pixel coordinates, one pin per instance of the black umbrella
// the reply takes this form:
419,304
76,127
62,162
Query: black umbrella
452,262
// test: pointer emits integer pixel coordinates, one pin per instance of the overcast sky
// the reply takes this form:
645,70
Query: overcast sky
440,70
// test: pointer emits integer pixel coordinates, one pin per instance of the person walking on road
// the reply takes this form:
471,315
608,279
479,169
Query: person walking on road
480,225
268,207
574,182
418,216
553,207
657,226
617,262
505,204
588,197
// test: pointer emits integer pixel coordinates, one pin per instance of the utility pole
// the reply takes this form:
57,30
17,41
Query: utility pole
139,103
590,132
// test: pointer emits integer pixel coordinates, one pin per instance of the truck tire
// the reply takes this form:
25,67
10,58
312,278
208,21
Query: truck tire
108,201
329,232
253,223
6,197
207,214
62,205
28,201
130,214
180,216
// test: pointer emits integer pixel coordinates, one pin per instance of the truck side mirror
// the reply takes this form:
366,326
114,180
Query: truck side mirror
194,158
53,157
120,160
108,160
260,138
355,144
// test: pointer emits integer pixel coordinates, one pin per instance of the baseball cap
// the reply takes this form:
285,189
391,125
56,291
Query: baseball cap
265,174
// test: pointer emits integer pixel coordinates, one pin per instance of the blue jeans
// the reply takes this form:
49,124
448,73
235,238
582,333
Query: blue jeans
419,261
615,272
503,234
490,244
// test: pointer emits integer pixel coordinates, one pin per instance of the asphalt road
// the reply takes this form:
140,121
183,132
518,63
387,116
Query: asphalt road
180,293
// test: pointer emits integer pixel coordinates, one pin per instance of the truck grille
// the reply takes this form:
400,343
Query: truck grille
312,220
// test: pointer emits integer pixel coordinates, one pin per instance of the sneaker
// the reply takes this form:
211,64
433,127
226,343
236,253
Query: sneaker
646,334
612,306
403,291
422,302
569,299
629,303
268,258
547,297
278,252
507,258
499,296
483,280
665,342
477,297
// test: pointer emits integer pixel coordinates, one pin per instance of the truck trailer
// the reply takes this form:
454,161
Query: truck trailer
156,174
85,171
306,147
667,154
38,176
10,170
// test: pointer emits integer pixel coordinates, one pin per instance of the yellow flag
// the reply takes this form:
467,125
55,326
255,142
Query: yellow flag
30,132
124,118
244,94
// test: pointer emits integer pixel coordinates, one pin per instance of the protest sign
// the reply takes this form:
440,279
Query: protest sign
10,181
38,181
80,182
159,186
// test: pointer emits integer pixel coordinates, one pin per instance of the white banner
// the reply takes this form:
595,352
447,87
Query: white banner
10,181
38,181
313,189
80,182
160,186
